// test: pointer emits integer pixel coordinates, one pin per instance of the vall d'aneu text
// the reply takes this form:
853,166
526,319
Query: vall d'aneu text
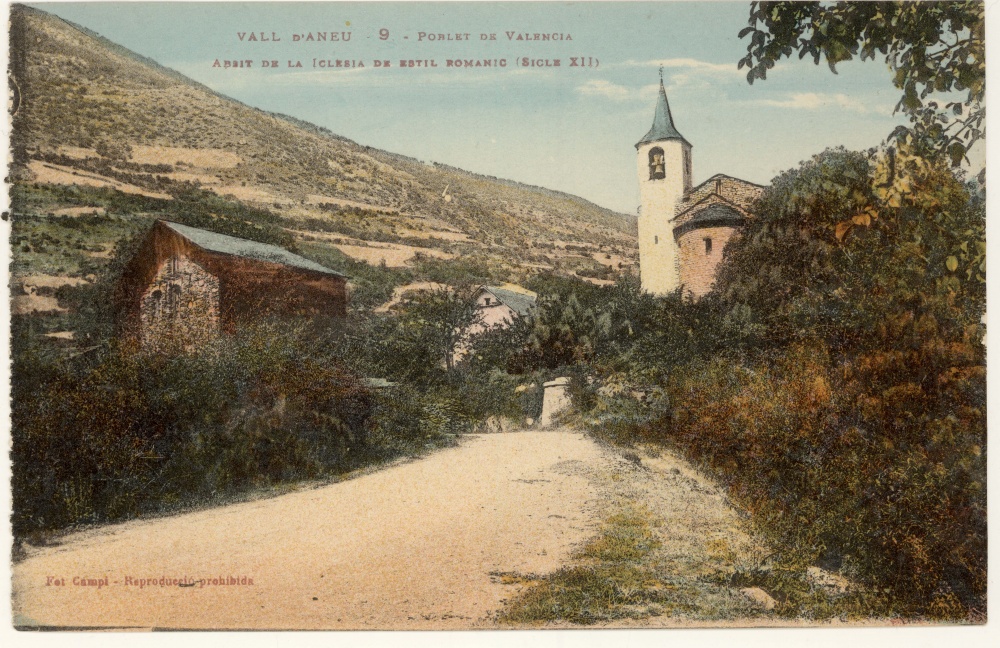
346,38
384,34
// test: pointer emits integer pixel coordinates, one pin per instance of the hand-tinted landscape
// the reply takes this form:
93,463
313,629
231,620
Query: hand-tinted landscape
221,313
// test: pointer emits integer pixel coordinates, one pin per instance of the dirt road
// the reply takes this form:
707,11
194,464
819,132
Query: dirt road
412,546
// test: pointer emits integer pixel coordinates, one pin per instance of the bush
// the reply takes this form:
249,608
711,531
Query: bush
135,433
849,468
835,381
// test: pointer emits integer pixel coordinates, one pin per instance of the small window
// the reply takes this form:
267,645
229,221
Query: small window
157,302
173,300
487,301
656,240
657,165
708,246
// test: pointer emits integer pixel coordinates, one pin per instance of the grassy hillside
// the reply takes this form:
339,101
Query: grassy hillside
95,115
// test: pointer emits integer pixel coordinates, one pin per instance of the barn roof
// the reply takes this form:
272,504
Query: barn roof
520,303
231,245
663,123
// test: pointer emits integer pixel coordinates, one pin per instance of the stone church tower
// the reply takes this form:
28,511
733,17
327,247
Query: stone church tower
683,230
664,167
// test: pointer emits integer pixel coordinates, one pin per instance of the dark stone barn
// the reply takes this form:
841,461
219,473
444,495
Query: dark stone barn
185,285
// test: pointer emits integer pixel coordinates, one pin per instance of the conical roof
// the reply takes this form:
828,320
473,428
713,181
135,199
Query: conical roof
663,123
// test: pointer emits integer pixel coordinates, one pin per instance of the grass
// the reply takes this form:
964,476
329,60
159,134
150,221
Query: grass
627,537
787,581
65,246
613,580
620,575
593,594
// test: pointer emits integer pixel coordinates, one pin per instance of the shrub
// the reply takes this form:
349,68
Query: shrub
835,380
843,466
134,433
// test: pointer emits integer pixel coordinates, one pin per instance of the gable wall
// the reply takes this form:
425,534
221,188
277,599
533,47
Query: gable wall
180,307
741,193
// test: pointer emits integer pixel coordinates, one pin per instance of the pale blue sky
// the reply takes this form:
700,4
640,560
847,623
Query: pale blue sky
567,129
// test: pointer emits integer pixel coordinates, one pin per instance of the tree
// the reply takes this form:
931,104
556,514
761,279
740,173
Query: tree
440,320
860,404
931,48
828,256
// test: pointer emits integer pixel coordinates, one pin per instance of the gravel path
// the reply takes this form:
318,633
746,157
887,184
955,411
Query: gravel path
412,546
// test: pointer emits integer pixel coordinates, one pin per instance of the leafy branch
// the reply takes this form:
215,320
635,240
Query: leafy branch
932,48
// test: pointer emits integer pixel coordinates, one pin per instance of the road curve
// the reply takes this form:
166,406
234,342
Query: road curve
409,547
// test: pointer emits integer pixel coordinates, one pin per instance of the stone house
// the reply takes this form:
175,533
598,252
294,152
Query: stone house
683,229
499,305
496,306
185,285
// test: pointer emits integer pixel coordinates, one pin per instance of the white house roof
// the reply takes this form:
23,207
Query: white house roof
521,303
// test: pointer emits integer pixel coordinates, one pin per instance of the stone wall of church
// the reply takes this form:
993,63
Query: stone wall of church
180,307
735,191
700,254
741,193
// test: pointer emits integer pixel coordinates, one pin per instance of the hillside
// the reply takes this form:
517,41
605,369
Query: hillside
111,122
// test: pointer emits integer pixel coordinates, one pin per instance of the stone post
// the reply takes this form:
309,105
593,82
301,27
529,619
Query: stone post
554,399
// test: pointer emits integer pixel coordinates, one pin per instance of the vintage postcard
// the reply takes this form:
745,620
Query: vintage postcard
497,316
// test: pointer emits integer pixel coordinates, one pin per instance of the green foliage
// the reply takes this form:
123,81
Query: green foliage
408,419
438,321
860,467
930,47
795,275
126,433
613,329
500,347
565,331
837,383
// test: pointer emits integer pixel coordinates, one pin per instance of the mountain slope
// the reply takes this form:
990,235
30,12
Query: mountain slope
94,113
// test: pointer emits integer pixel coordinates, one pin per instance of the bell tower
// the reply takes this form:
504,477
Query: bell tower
663,163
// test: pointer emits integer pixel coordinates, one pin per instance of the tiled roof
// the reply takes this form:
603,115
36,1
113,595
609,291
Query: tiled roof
224,244
714,215
520,303
663,123
738,192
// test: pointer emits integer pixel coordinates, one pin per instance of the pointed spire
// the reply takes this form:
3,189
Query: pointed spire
663,122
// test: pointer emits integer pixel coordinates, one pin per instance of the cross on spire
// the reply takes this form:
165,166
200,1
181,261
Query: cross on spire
661,75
